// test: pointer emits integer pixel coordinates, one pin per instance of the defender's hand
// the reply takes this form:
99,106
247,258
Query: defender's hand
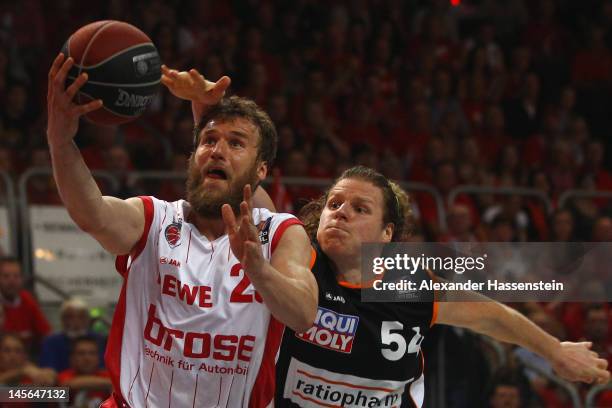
62,113
192,86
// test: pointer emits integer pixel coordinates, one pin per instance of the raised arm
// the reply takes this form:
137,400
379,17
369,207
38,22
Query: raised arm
116,224
286,283
571,361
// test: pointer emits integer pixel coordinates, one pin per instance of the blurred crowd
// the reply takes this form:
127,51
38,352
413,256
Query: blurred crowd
494,93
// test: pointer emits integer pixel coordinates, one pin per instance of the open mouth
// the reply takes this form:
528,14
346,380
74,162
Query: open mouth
217,174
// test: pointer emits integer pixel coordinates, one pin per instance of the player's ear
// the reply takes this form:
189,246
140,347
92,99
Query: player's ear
387,233
262,170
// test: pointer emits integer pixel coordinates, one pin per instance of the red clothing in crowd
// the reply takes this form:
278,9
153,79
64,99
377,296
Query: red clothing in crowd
84,397
24,317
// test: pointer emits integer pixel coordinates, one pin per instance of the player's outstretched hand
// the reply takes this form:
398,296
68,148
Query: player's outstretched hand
192,86
63,113
577,362
243,236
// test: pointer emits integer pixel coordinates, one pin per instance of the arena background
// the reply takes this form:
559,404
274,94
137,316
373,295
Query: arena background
494,114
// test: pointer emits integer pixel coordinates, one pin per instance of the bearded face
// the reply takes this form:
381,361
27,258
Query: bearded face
208,190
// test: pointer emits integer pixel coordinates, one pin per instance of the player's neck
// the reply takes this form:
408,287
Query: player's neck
348,269
211,228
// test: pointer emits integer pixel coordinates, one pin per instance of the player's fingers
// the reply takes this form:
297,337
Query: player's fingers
172,73
603,377
245,211
196,76
601,363
76,85
199,82
60,78
55,66
221,86
166,80
246,223
169,82
247,196
248,230
80,110
228,218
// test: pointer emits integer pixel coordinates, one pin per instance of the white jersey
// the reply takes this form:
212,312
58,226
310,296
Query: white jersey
189,328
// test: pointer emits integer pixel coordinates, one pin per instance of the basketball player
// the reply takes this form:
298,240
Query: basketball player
360,354
368,354
209,283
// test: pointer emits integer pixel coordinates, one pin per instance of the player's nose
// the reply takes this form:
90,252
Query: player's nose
220,150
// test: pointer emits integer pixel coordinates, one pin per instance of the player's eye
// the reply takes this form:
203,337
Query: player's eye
209,141
334,205
236,143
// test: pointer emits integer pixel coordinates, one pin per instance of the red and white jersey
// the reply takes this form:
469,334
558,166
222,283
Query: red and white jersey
189,328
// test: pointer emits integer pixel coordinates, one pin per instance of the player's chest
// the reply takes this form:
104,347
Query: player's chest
203,276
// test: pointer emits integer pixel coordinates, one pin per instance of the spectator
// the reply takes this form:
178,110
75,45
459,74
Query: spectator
562,226
14,117
493,136
23,314
445,179
509,388
594,167
15,369
523,113
89,385
76,322
592,66
602,230
460,225
502,229
6,160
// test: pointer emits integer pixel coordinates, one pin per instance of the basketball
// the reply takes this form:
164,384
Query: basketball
123,67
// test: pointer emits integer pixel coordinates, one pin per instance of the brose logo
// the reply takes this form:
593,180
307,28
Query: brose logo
312,387
128,100
332,331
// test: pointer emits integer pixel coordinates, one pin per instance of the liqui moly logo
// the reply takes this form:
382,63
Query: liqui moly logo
331,330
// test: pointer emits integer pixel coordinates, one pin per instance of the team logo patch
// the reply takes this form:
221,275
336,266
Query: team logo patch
264,231
173,234
331,330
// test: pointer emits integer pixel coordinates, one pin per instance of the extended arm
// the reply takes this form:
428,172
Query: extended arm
115,223
571,361
286,283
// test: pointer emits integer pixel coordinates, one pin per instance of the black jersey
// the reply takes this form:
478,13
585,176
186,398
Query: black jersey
357,354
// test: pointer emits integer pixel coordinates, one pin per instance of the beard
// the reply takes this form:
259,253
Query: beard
207,202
